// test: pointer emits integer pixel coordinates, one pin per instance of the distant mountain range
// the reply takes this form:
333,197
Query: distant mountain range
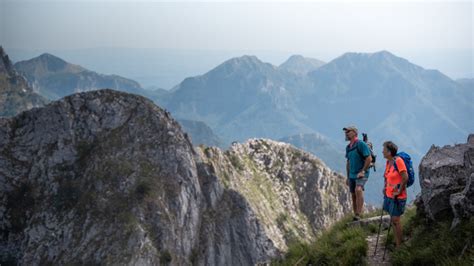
239,99
55,78
390,98
163,68
297,102
245,97
385,95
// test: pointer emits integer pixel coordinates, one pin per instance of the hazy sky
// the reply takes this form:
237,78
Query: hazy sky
439,33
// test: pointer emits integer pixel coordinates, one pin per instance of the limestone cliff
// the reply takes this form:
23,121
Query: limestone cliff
293,193
108,177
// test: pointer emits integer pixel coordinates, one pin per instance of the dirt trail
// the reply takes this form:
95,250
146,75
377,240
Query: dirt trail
377,259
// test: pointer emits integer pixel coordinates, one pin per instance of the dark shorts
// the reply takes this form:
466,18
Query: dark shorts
395,207
357,182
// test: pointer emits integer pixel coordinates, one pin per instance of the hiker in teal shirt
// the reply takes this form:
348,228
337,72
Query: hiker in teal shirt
359,158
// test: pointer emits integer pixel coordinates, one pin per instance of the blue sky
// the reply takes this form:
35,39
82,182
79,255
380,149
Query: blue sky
434,34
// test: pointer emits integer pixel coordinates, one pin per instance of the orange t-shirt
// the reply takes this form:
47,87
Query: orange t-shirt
393,178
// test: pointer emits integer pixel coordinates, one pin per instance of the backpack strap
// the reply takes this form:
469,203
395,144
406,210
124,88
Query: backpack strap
358,151
395,163
357,148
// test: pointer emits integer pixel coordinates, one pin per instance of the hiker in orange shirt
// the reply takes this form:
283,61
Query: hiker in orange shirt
395,193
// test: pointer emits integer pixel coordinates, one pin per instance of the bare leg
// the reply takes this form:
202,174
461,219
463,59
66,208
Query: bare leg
397,228
354,203
360,199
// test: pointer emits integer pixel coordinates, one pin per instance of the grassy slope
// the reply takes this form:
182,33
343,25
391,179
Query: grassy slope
434,243
426,243
339,245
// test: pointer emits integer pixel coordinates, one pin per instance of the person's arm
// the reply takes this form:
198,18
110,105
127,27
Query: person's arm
367,162
404,175
384,190
403,184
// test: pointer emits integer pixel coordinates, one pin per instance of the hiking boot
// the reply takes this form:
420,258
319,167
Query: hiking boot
356,218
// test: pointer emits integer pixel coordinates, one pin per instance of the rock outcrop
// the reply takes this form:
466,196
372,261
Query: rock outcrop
97,177
446,179
15,94
293,193
108,177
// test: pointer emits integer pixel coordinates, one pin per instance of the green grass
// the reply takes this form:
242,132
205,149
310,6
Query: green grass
434,243
339,245
234,159
428,244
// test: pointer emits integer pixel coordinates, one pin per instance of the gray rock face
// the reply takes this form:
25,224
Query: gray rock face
446,179
97,177
230,233
294,194
108,177
15,94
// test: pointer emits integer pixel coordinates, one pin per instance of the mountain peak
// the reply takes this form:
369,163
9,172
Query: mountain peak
47,62
301,65
243,64
376,61
384,54
381,53
53,62
55,78
245,59
297,57
49,56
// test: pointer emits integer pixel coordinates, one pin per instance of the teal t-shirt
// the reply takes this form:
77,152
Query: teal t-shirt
356,156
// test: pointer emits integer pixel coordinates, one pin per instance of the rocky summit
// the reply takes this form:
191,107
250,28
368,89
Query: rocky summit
447,182
108,177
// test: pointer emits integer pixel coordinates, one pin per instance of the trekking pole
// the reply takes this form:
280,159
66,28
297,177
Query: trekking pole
378,234
389,226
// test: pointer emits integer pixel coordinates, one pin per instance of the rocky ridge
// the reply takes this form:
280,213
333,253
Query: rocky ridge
108,177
